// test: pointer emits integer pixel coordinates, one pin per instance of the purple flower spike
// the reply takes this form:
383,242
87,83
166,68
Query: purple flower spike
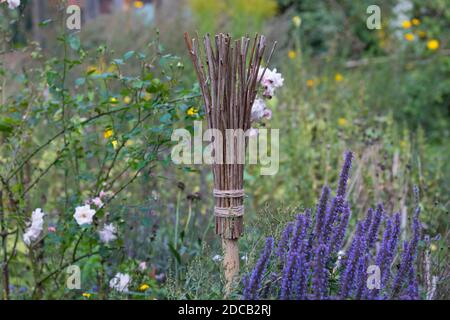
361,276
297,234
332,215
382,259
284,241
408,257
339,232
311,263
343,178
303,271
372,233
320,273
368,220
348,277
253,285
288,274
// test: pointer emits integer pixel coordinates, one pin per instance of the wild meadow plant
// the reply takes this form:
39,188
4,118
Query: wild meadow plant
312,261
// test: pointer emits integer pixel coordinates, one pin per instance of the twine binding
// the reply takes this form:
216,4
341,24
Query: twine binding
229,212
239,193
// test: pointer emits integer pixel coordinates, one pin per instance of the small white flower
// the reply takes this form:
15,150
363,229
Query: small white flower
160,277
142,266
13,4
37,217
105,194
84,214
258,108
97,202
30,235
260,111
217,258
35,227
270,81
155,195
274,78
244,258
120,282
108,233
267,114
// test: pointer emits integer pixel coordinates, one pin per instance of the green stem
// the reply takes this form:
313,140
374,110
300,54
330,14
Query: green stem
205,233
189,217
177,221
4,236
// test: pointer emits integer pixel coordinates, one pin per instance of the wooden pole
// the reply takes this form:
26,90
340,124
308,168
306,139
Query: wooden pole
230,263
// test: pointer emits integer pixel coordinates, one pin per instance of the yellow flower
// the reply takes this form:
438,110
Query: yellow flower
127,99
406,24
338,77
409,37
415,21
115,144
108,133
297,21
433,44
92,70
147,96
138,4
422,34
112,68
310,83
144,287
192,111
292,54
403,143
342,122
86,295
433,247
113,100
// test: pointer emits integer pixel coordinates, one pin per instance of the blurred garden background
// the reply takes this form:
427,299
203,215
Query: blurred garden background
86,118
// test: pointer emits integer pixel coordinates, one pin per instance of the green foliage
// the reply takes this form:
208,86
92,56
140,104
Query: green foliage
237,17
95,111
72,126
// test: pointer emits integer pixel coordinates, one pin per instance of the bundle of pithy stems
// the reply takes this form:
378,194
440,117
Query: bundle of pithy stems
229,72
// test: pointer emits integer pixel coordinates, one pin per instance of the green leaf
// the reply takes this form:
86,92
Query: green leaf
7,124
74,42
128,55
45,22
91,72
137,84
175,253
80,81
104,75
165,118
